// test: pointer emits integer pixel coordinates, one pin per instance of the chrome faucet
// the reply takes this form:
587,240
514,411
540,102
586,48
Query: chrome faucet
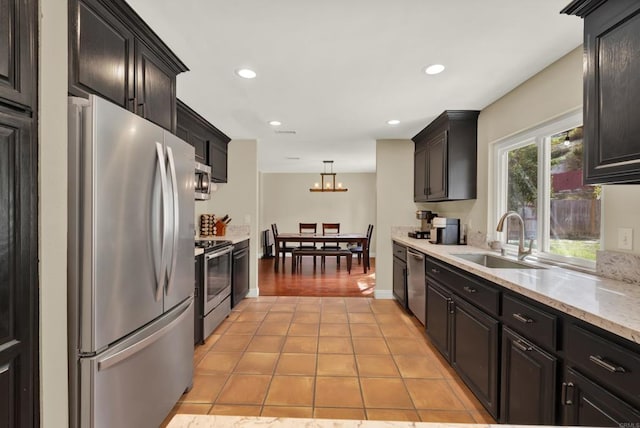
522,252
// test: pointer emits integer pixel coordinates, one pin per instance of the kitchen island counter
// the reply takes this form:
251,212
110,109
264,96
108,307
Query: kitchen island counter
606,303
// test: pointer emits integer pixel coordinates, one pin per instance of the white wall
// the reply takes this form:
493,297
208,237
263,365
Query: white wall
394,206
287,201
239,197
52,134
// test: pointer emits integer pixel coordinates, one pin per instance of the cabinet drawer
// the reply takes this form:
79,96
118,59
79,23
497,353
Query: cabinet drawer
535,324
610,364
400,251
468,287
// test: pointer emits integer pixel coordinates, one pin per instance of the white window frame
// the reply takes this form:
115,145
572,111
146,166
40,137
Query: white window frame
540,135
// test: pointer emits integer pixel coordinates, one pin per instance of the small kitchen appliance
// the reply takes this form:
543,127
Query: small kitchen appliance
424,225
445,231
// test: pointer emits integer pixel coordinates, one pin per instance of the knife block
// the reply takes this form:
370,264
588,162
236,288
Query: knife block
220,228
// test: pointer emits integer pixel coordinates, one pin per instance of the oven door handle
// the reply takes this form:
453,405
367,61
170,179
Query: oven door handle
209,256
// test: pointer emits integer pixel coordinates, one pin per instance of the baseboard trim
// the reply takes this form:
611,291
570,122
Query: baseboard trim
253,292
383,294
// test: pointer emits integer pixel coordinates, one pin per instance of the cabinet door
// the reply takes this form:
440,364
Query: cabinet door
197,300
474,352
400,281
587,404
437,167
528,382
439,312
17,51
18,272
420,174
155,88
612,93
218,161
101,54
240,278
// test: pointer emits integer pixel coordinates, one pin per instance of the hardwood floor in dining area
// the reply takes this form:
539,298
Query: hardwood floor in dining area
310,281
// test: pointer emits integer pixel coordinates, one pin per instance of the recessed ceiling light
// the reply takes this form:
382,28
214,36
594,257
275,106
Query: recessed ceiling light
246,73
434,69
393,122
275,123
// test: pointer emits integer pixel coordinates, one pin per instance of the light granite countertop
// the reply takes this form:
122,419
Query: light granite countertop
606,303
210,421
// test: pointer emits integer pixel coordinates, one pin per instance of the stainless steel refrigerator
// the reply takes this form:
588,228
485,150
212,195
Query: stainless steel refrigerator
130,266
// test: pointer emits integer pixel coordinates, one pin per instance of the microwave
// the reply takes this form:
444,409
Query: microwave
203,182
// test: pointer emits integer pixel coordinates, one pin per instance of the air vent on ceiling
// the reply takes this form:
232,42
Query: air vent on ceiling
285,132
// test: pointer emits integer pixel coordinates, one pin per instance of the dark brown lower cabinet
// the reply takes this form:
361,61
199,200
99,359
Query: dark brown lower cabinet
400,281
475,352
587,404
528,392
439,314
240,272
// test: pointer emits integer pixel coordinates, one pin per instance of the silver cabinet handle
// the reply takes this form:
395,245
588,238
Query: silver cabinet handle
522,318
469,290
612,368
565,399
165,214
434,270
523,346
176,217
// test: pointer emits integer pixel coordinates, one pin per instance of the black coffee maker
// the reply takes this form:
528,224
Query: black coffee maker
424,226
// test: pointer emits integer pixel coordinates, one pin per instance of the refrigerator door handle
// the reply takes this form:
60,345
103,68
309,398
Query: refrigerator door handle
112,360
176,218
165,214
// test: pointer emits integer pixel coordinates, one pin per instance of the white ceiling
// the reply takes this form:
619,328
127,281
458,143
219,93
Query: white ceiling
335,71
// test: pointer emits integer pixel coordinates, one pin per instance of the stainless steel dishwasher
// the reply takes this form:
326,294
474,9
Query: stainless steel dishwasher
416,288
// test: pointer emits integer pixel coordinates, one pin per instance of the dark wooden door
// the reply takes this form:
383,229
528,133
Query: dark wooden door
420,173
18,272
101,54
528,382
218,161
17,48
612,92
587,404
474,352
400,281
155,88
439,312
437,167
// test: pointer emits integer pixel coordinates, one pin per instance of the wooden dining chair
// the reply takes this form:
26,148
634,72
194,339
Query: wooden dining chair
308,228
331,229
359,250
283,249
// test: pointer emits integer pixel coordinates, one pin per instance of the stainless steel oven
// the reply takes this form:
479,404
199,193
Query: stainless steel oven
216,293
202,182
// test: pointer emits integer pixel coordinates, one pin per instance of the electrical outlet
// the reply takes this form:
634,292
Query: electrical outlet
625,238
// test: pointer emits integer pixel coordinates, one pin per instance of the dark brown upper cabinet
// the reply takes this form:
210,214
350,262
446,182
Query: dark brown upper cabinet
445,158
113,53
17,53
209,142
611,89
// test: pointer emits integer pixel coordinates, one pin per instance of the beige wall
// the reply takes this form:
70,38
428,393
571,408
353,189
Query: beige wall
287,201
549,94
52,134
239,197
394,205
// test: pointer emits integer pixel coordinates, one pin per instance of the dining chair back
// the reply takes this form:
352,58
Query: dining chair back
359,250
283,248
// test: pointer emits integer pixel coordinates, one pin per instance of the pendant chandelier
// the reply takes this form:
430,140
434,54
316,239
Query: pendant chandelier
328,180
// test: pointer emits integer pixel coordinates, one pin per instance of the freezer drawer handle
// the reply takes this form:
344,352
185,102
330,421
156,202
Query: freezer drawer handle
114,359
165,216
176,218
613,368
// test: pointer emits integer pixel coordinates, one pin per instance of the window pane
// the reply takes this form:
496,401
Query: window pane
575,208
522,191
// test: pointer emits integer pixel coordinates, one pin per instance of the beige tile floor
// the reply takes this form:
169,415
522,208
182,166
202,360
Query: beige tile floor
329,357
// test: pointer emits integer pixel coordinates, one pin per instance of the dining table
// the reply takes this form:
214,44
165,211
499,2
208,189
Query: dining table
349,238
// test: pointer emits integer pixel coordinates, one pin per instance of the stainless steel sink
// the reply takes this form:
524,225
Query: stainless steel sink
496,262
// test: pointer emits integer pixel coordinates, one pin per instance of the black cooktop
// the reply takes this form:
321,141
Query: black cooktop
210,244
